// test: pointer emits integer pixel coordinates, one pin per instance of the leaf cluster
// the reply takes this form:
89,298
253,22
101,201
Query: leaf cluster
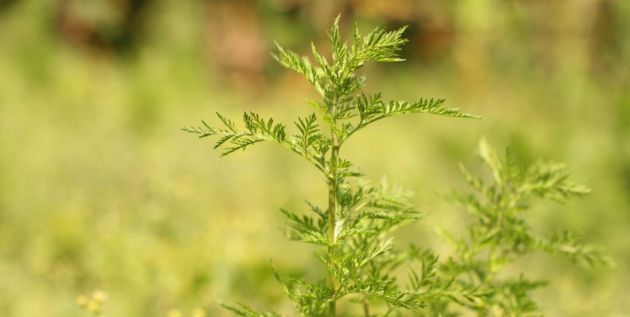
345,107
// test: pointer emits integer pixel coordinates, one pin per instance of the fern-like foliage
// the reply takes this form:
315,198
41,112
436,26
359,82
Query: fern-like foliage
353,230
499,233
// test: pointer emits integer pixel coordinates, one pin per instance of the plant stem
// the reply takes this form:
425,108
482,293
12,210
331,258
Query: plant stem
332,215
366,307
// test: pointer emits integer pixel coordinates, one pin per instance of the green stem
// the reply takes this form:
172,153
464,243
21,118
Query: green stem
332,216
366,307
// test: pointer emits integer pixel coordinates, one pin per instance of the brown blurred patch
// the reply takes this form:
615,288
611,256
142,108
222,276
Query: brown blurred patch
431,28
235,41
103,25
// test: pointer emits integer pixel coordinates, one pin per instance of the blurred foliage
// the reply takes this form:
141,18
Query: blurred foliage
100,190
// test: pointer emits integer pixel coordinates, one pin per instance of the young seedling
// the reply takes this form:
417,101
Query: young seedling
353,229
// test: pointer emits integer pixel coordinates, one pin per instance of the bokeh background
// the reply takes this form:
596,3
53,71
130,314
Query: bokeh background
99,189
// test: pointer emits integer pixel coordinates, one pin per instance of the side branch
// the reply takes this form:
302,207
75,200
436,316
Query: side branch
372,109
232,138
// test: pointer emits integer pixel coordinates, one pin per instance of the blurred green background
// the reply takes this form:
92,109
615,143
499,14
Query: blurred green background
99,189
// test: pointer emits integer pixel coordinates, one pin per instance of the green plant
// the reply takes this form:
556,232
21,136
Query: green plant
354,230
498,233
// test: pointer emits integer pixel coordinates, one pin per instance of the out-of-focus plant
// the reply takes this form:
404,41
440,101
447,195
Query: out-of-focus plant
498,234
92,304
354,230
